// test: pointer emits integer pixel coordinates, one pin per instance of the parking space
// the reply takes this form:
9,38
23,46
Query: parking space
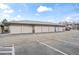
61,43
35,48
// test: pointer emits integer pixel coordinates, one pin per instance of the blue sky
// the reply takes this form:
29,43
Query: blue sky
49,12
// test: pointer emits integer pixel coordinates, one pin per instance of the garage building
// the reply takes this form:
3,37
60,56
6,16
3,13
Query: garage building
33,27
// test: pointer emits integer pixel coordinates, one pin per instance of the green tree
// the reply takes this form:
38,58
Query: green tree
4,22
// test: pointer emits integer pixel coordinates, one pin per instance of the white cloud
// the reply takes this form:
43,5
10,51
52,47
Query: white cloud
8,11
68,19
71,18
43,9
3,16
12,18
19,17
4,6
6,16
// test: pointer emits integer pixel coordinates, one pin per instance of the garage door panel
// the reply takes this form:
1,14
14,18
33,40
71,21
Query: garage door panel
38,29
60,29
44,28
15,29
26,29
51,29
57,29
20,29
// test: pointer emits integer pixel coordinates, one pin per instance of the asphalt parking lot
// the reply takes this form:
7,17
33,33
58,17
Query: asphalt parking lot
61,43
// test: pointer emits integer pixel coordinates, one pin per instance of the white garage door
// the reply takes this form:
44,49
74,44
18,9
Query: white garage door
60,29
63,28
26,29
44,28
15,28
57,29
37,29
51,29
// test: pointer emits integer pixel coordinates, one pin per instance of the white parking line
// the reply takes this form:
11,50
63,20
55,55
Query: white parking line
12,49
52,48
